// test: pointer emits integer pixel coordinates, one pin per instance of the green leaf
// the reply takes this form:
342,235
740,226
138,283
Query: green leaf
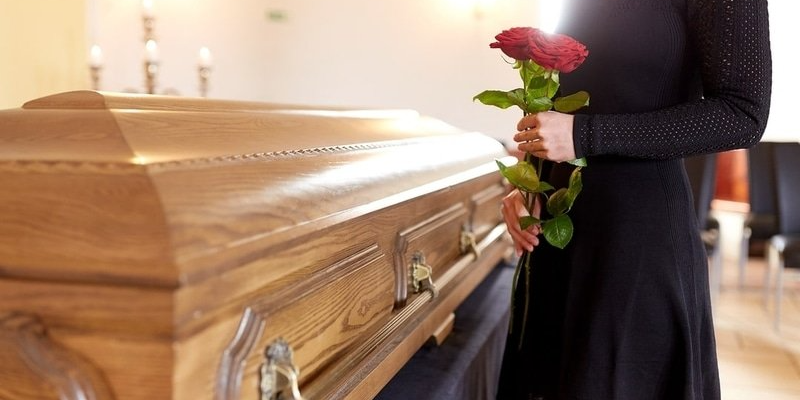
575,186
525,73
579,162
571,103
522,175
562,200
497,98
544,187
527,222
576,181
552,86
537,87
538,69
558,231
530,71
517,96
534,68
539,104
559,202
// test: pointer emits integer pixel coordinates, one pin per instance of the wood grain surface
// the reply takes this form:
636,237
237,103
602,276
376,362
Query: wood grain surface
159,244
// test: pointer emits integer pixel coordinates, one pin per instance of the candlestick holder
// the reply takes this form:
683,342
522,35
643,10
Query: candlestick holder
203,73
151,62
150,76
148,23
94,71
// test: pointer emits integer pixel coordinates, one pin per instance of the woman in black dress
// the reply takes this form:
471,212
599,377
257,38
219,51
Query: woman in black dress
623,312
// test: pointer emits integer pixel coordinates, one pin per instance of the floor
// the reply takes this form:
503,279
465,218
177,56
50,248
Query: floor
755,361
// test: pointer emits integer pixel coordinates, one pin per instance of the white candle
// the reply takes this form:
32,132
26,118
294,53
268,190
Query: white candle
96,57
147,8
204,58
151,51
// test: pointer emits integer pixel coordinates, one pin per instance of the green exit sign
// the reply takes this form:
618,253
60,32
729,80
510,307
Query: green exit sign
276,15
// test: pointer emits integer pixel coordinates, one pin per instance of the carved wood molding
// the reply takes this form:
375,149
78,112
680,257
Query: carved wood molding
408,318
272,155
229,376
256,315
412,234
123,168
40,364
60,166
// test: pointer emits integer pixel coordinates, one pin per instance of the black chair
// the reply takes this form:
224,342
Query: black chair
784,248
702,173
761,223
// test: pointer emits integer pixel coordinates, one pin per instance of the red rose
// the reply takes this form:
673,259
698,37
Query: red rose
515,43
555,51
551,51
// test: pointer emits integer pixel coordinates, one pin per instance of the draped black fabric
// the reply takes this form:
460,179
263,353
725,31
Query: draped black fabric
623,313
467,364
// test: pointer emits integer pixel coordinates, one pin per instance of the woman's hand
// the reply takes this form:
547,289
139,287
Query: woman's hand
547,135
513,208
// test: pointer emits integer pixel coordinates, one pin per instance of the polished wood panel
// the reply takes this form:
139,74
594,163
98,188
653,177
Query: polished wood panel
160,245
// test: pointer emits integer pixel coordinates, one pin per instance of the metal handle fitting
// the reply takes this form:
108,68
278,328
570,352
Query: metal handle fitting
468,242
279,376
422,276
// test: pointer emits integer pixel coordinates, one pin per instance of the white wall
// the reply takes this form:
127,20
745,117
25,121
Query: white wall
782,125
428,55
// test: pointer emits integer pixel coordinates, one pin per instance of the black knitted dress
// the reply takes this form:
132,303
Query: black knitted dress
624,311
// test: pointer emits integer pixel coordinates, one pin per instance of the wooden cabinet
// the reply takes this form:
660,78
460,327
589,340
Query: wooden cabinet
170,248
731,184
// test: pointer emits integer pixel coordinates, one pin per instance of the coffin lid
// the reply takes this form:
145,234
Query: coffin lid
159,190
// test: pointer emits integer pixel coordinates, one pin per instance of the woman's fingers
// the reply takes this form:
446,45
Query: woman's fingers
513,208
527,122
546,135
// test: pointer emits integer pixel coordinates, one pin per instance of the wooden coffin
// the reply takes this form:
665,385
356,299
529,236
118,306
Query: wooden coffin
171,248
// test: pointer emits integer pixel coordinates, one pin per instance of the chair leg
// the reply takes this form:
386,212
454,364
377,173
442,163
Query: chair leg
744,255
716,274
771,259
778,291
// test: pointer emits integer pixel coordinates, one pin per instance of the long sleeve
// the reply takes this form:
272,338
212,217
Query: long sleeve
730,41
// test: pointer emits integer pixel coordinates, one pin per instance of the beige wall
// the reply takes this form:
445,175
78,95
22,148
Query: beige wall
428,55
42,48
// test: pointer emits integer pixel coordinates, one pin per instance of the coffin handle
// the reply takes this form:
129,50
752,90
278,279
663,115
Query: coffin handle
469,243
279,376
422,276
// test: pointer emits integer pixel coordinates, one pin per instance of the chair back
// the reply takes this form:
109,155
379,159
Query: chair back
761,179
787,180
702,173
